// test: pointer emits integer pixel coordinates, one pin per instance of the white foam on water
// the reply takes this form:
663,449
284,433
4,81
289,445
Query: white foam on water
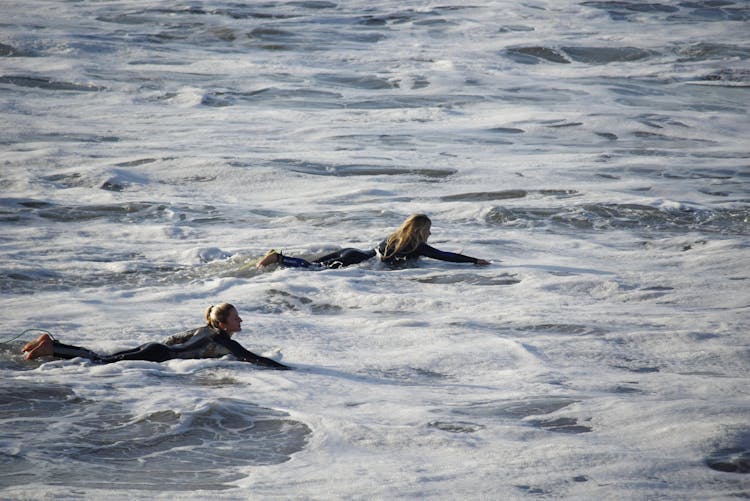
595,151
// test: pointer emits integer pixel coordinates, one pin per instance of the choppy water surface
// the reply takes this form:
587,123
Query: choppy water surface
595,151
103,445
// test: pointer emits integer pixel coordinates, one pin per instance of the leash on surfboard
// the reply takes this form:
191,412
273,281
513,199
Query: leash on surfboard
43,331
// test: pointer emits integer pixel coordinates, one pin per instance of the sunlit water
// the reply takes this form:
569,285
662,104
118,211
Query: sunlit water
596,152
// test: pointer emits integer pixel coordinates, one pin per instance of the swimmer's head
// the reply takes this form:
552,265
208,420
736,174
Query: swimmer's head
411,234
414,231
225,317
417,226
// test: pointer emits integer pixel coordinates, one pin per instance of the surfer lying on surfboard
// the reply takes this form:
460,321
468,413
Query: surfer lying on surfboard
213,340
407,243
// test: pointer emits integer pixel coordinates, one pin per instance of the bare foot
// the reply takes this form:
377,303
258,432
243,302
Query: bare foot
271,257
40,347
36,342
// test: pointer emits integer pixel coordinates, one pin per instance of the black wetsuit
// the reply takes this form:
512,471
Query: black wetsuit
347,257
338,259
426,251
204,342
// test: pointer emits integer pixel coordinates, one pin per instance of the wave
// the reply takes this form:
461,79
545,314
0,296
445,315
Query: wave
634,217
107,446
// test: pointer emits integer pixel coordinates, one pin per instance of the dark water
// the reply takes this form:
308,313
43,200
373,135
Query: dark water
79,442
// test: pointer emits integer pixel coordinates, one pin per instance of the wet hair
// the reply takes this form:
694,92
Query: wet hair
412,233
218,314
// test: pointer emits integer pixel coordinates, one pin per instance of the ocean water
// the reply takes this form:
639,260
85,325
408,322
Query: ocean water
596,151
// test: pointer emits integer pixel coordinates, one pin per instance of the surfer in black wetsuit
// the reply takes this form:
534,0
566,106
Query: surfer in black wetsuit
407,243
213,340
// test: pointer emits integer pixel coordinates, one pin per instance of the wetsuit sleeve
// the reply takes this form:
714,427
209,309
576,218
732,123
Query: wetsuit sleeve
241,353
453,257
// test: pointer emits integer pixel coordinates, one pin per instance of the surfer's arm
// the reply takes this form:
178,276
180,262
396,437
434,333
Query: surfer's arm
241,353
453,257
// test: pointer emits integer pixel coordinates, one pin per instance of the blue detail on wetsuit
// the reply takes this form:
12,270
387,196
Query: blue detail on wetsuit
296,262
204,342
348,257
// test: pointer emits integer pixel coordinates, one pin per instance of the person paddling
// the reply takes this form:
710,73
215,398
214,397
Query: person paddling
212,340
407,243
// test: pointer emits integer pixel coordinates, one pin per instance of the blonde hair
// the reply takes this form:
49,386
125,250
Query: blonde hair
412,233
218,314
